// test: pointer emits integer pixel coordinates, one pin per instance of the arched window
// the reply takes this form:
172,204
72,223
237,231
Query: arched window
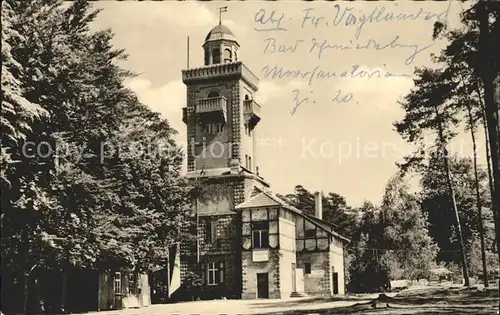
227,55
213,94
246,97
207,57
216,55
235,56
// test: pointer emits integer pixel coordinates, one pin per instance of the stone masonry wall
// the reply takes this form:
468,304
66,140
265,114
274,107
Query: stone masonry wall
319,281
236,120
249,275
227,244
225,247
230,89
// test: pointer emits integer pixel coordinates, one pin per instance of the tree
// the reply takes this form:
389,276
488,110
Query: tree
96,199
366,271
435,202
482,23
460,58
426,109
336,211
406,232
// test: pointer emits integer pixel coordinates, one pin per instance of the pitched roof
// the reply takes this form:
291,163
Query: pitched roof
268,199
259,200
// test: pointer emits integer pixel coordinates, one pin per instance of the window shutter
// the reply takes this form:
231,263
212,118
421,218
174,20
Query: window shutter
214,230
222,272
208,230
203,274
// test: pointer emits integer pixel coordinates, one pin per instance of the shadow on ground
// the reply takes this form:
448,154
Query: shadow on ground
444,301
314,300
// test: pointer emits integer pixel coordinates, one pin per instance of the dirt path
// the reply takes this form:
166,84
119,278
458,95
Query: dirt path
425,301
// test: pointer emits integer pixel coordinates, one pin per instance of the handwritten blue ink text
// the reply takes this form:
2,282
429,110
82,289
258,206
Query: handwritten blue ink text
320,46
351,17
272,22
272,47
355,72
339,98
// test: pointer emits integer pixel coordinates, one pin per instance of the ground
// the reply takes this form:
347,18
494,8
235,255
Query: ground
428,301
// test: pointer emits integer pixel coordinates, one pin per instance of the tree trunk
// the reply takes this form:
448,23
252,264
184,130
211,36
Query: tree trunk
449,182
478,196
64,282
490,176
26,278
487,54
25,269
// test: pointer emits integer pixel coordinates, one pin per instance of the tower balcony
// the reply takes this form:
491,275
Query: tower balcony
251,111
213,108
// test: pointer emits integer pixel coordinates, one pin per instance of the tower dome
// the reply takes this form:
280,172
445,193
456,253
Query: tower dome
220,46
219,32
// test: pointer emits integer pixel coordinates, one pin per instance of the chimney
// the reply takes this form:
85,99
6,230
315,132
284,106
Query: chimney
318,205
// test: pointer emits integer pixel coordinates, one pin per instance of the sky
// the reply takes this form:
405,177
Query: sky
341,138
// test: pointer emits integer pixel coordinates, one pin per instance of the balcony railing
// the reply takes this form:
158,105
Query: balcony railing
214,106
251,106
251,110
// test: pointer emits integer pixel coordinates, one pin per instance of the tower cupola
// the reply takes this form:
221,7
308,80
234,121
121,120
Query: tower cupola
220,46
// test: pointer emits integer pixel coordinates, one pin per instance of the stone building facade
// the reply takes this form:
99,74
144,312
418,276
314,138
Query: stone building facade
247,243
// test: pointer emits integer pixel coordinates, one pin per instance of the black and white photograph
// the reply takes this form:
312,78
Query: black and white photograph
250,157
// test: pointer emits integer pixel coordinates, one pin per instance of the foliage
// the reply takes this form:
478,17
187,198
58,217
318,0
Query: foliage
391,241
435,201
192,285
405,229
366,272
108,194
336,211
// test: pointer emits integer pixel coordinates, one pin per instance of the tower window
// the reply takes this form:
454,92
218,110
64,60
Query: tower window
213,94
235,56
207,57
209,129
216,55
227,55
250,163
214,128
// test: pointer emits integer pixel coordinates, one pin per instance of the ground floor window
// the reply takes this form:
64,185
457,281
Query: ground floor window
132,283
307,268
215,273
117,283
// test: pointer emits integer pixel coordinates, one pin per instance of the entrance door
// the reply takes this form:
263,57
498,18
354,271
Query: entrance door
335,277
262,286
294,278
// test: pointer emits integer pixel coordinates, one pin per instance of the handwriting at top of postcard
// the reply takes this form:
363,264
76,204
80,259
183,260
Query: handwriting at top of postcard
330,51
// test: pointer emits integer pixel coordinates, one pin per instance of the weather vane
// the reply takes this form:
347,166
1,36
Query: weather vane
221,9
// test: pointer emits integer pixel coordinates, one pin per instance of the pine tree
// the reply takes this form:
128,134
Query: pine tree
427,109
